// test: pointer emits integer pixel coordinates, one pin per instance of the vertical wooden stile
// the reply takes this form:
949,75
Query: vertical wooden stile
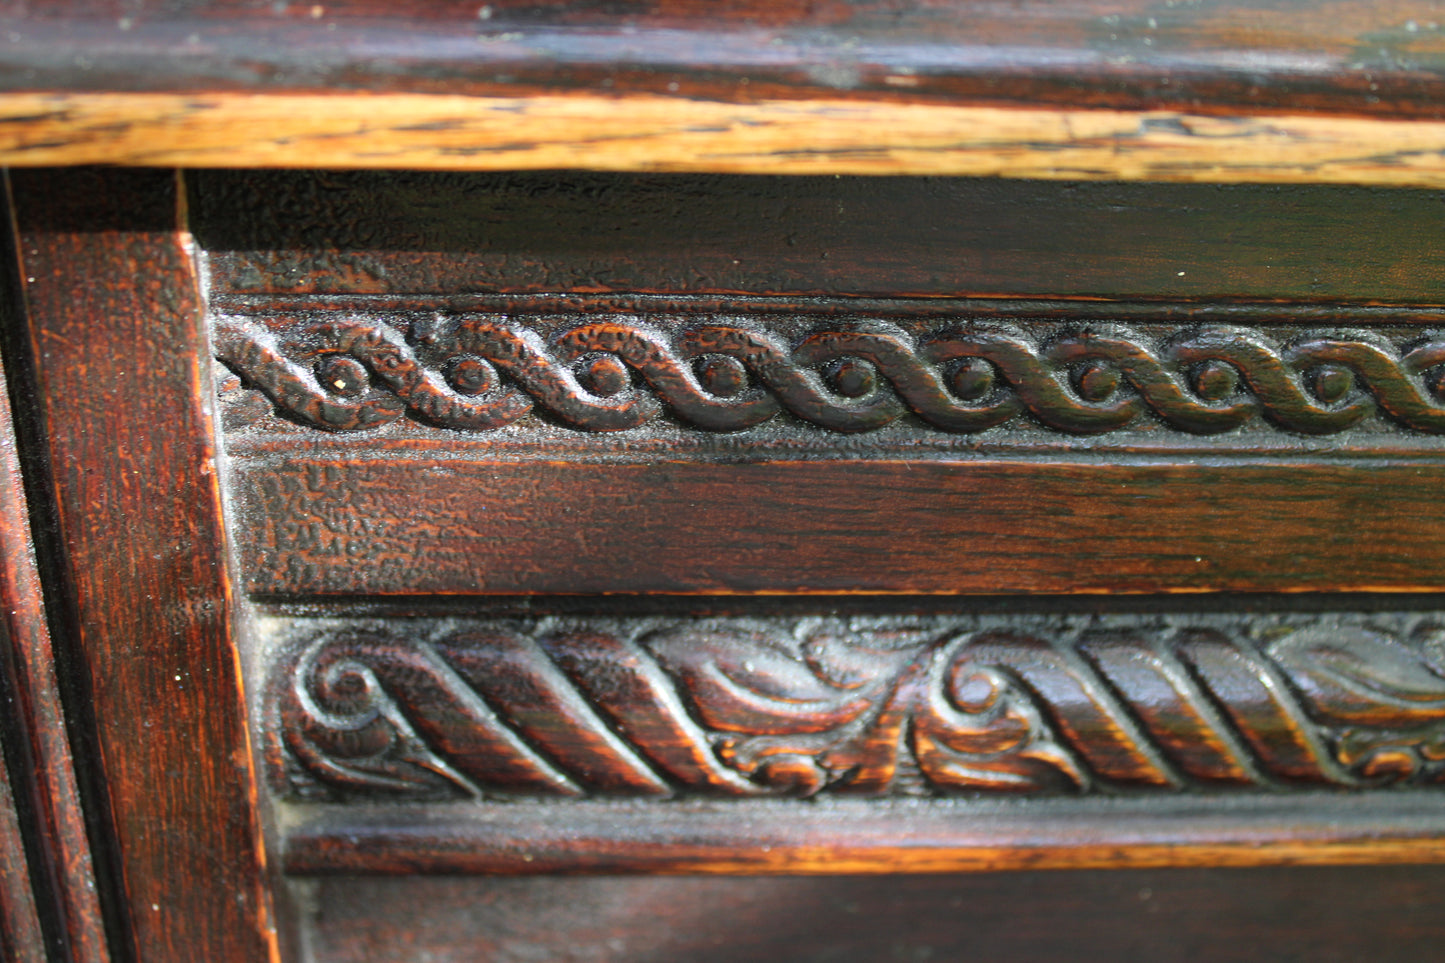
117,353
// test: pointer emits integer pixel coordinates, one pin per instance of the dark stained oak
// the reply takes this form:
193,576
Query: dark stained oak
428,235
1386,914
482,387
412,523
922,706
113,317
21,939
475,531
827,383
60,867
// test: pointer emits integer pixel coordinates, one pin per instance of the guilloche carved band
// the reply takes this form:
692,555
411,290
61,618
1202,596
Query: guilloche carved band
481,372
882,706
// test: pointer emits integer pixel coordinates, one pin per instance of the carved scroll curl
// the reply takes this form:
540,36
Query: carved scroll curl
932,707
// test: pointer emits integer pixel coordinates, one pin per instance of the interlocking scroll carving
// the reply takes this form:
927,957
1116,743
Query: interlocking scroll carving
481,372
878,706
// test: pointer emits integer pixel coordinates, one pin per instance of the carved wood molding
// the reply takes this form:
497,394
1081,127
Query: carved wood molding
483,372
879,706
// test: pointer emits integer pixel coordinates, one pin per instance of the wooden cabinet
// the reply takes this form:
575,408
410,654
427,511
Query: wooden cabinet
643,559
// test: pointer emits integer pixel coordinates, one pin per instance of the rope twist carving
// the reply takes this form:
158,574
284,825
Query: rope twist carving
477,373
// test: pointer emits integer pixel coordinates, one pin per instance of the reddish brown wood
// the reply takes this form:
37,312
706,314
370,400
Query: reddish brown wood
1197,738
716,377
1386,914
21,939
415,523
922,705
113,316
62,870
913,706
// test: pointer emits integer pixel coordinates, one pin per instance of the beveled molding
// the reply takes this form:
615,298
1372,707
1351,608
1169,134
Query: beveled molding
888,743
469,374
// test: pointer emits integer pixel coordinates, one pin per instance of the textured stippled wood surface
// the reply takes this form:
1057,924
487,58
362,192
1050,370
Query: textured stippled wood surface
116,356
403,524
414,359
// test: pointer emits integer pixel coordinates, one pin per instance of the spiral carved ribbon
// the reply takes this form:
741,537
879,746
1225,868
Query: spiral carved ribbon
931,707
477,373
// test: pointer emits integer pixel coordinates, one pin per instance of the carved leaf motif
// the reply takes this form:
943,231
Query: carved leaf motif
731,708
755,684
839,710
1362,676
1388,691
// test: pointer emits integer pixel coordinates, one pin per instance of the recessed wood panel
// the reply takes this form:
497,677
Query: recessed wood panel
1387,914
411,523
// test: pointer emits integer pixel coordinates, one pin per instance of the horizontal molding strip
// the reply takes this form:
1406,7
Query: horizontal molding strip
410,523
650,132
479,373
268,307
857,837
748,708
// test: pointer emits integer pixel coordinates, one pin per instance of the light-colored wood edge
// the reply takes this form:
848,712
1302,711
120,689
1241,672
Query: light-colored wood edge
658,133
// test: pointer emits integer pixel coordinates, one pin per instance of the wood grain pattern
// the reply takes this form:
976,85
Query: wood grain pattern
61,868
866,837
660,133
409,522
21,938
1352,57
952,705
113,313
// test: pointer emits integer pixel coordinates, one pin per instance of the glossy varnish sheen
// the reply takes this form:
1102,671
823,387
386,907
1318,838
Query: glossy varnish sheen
51,868
403,525
113,319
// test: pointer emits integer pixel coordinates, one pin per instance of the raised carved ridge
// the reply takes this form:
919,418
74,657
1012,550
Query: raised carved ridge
482,372
922,706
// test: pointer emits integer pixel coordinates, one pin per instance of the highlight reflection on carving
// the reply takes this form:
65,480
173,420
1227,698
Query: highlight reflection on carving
481,372
929,706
